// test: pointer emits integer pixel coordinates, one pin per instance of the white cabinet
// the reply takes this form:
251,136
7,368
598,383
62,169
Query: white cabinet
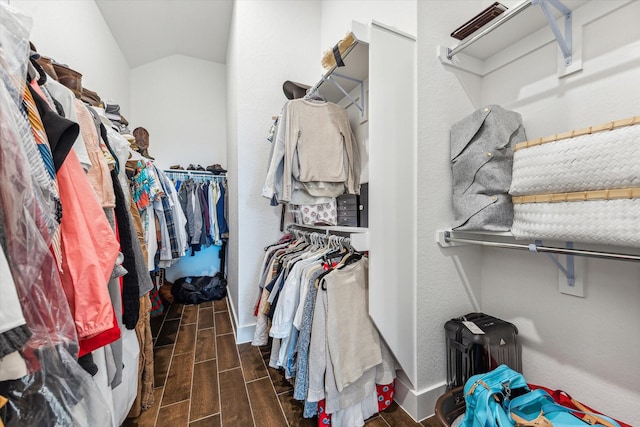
387,57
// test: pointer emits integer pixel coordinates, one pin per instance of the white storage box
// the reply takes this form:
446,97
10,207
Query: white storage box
580,186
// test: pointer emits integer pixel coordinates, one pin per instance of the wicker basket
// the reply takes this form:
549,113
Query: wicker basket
580,186
592,161
609,222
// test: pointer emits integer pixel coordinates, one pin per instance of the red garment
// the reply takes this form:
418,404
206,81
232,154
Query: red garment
157,309
324,419
563,398
385,392
90,250
87,345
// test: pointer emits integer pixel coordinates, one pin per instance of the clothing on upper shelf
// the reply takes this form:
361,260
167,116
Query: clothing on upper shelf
314,157
481,165
314,292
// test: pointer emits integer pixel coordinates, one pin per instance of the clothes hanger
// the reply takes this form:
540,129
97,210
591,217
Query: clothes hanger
330,260
315,96
351,257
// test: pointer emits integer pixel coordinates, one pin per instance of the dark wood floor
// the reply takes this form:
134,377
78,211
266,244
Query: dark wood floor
204,379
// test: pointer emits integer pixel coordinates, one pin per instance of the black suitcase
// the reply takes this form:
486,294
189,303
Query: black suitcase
478,343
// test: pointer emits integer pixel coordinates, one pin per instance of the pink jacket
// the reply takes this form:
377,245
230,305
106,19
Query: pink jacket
90,250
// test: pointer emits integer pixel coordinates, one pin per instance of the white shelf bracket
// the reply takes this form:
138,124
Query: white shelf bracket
569,271
361,105
564,42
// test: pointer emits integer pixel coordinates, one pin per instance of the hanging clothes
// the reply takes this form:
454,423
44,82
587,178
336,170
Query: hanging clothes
55,384
315,294
61,231
99,174
66,100
221,210
90,251
315,156
14,332
202,199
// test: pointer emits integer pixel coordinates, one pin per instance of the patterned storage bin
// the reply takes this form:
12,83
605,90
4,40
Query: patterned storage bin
580,186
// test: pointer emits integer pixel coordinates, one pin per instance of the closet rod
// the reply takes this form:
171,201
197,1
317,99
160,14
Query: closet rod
548,249
498,22
315,229
322,236
193,173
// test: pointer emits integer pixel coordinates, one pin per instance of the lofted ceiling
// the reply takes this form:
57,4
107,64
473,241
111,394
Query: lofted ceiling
148,30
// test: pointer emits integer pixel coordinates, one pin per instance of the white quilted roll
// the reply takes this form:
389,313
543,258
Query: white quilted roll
610,222
602,160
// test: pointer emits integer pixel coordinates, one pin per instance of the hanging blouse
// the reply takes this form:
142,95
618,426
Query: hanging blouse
99,175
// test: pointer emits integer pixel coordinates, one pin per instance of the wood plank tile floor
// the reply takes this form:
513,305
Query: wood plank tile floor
203,379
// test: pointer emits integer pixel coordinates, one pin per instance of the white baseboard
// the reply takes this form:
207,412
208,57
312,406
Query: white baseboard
418,404
243,333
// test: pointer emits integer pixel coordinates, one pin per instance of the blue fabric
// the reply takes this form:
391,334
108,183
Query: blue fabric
47,157
303,343
290,364
222,222
482,410
165,183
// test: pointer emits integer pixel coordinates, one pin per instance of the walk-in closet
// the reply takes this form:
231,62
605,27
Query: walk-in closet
280,213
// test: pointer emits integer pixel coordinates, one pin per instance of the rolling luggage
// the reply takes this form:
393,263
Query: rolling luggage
478,343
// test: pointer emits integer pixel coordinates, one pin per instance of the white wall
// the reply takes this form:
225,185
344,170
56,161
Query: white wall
76,34
584,345
233,50
337,16
587,346
271,41
181,101
447,286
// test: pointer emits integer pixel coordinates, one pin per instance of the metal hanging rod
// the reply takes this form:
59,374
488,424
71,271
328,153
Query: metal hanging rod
358,237
535,247
316,229
205,174
322,236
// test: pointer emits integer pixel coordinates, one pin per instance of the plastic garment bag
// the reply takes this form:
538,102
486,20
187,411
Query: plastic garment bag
56,391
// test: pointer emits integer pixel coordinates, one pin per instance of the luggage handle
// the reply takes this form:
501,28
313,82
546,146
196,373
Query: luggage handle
458,346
